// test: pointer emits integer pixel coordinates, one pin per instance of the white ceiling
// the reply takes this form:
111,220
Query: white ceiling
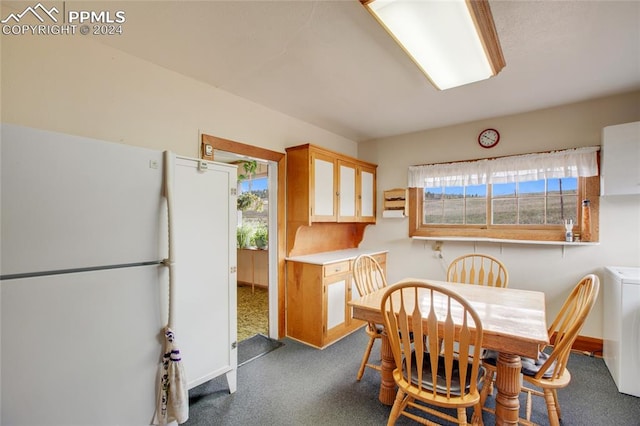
330,64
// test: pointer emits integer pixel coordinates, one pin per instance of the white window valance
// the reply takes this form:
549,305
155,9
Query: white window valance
578,162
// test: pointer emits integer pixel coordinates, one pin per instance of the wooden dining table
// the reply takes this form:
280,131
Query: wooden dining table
514,324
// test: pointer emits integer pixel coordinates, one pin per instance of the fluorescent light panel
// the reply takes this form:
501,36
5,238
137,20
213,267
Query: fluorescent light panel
453,42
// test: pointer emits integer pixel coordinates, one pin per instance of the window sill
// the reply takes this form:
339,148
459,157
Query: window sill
503,241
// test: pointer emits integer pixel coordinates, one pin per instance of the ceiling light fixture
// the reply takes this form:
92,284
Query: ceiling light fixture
454,42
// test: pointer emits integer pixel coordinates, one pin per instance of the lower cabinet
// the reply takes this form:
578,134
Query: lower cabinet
318,312
253,267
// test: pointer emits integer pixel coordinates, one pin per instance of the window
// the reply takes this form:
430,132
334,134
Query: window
542,202
455,205
520,197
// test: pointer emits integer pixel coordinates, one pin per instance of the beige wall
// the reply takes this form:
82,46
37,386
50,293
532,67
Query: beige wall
74,85
547,268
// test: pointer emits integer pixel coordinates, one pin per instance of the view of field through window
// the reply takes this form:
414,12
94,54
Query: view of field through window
541,202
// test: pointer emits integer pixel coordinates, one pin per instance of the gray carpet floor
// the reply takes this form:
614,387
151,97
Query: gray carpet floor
254,347
299,385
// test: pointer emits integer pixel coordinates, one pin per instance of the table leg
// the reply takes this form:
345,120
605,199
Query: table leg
508,386
387,365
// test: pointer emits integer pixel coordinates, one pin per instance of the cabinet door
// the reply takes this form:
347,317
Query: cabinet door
367,194
306,298
261,268
323,199
245,266
347,210
620,174
336,293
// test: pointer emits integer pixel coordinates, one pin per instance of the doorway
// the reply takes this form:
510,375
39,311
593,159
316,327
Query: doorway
267,184
252,243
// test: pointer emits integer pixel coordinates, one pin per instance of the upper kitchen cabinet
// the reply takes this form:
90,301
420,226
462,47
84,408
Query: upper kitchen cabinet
619,159
324,186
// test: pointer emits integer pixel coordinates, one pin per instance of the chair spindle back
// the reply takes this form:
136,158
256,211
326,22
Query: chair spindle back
481,269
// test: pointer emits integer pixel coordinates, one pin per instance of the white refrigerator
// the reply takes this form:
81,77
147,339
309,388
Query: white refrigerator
621,337
84,293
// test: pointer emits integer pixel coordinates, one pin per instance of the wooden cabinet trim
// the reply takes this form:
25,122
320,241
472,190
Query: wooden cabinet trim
317,148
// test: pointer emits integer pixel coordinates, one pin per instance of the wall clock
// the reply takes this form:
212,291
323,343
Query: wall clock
488,138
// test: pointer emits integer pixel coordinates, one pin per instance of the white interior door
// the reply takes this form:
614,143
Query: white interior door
273,249
205,288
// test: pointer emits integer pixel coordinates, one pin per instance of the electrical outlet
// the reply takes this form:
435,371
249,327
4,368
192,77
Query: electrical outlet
437,246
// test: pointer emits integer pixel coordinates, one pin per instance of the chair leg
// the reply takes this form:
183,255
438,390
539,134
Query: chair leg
529,403
462,416
396,409
551,407
487,387
476,420
365,358
555,398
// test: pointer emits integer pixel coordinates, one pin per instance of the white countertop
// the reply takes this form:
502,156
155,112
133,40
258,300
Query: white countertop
334,256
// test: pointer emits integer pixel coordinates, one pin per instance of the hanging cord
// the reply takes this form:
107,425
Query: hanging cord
170,261
443,261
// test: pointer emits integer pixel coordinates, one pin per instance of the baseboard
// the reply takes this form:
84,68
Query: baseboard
589,345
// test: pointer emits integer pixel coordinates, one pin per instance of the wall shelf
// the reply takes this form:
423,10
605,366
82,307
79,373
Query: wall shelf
396,203
474,240
501,241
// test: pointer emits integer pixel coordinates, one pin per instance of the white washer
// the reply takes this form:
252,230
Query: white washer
621,343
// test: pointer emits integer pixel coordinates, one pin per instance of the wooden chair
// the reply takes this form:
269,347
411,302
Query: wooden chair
427,377
553,374
369,277
549,372
480,269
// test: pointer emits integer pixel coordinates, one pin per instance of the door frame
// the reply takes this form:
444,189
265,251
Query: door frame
222,144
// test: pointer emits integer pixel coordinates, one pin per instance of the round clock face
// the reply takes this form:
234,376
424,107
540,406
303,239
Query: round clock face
488,138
